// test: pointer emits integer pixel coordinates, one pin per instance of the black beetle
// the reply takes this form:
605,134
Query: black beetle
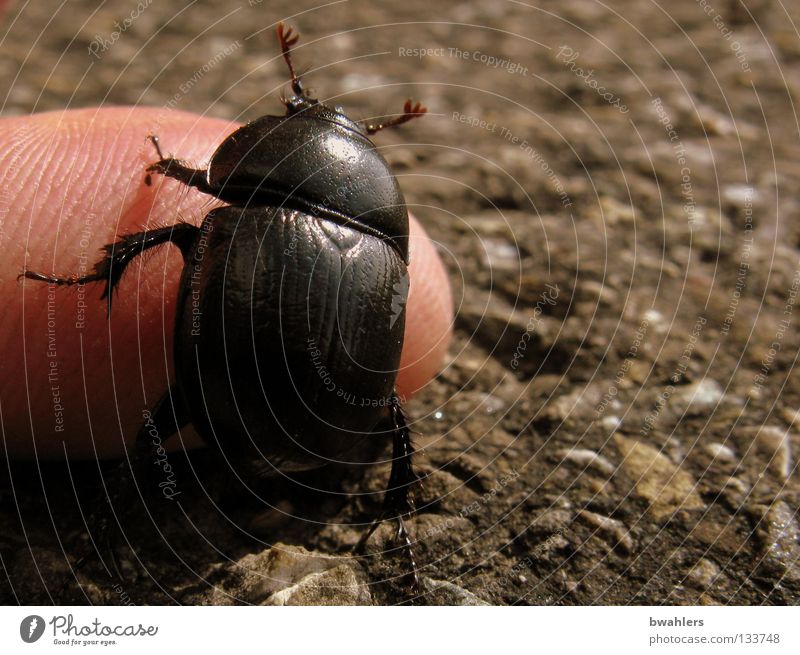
290,311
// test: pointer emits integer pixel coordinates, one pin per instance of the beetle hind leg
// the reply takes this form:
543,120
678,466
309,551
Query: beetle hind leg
397,502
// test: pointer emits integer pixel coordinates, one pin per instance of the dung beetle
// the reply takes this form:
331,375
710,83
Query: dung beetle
290,310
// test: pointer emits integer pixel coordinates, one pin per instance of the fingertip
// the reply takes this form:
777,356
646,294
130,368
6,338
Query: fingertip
429,314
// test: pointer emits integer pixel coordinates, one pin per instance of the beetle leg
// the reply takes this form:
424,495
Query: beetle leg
397,502
176,169
119,254
409,111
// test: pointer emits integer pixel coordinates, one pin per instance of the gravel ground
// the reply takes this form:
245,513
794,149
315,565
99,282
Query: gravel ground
613,189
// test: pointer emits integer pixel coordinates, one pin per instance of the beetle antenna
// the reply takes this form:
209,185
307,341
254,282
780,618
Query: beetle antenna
409,111
287,37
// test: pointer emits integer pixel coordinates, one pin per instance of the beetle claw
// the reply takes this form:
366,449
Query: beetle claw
159,167
404,538
152,138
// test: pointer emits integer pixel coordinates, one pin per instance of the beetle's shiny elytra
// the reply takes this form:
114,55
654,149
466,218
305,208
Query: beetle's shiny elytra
287,336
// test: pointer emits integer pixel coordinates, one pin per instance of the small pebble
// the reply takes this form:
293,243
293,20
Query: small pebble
720,452
587,458
621,536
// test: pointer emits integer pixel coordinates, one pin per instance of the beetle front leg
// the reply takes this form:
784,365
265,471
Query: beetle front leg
176,169
121,253
397,502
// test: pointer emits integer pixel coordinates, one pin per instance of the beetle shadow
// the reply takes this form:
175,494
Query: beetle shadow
295,508
168,536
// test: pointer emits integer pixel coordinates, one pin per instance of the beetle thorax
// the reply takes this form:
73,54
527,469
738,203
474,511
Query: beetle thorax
315,163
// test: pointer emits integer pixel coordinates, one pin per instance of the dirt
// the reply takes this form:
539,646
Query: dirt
617,421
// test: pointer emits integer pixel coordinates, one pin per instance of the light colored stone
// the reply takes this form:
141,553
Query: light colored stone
337,586
620,535
720,451
587,458
551,521
666,486
791,416
573,403
774,443
740,195
703,573
615,212
499,254
611,422
599,292
697,398
656,321
447,593
771,444
291,575
781,541
712,121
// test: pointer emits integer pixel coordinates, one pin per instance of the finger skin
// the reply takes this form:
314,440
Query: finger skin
71,381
